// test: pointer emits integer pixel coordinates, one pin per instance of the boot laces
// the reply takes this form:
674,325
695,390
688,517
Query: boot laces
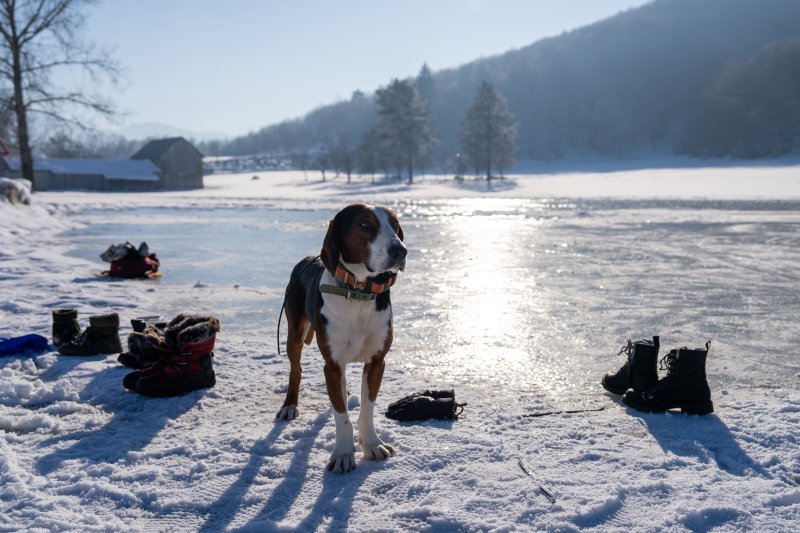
627,349
669,362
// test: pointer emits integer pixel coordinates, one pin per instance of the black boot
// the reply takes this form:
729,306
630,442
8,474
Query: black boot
639,371
685,386
102,336
65,326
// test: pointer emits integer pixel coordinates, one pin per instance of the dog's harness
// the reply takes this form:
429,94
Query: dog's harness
354,289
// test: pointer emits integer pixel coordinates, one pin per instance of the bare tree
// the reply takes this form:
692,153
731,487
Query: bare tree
39,41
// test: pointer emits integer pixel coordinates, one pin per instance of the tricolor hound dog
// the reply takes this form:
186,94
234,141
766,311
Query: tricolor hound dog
343,296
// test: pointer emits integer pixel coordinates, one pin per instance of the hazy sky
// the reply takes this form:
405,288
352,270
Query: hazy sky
234,66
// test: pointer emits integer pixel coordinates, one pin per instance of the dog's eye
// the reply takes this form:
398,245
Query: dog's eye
366,226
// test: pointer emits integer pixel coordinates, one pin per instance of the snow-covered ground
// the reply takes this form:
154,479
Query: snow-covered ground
518,298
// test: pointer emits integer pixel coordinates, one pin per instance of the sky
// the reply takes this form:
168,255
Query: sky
236,66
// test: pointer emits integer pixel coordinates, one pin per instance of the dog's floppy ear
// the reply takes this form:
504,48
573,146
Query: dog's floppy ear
330,250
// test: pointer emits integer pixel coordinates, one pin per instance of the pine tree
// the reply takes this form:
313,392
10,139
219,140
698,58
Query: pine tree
403,125
425,87
368,154
488,137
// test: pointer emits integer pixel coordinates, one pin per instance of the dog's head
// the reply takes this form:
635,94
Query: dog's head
367,238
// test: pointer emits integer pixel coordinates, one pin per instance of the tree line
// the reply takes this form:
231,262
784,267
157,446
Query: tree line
712,78
648,81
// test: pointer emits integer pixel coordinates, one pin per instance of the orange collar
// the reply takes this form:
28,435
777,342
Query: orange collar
369,285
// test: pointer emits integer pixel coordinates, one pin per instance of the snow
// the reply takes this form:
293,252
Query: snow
517,297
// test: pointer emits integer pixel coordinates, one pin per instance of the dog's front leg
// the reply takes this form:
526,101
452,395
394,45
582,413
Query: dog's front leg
372,446
343,458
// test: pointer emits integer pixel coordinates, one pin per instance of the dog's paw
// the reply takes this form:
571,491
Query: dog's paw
376,451
342,463
288,412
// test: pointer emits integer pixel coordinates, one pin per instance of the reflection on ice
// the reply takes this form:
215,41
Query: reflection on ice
527,298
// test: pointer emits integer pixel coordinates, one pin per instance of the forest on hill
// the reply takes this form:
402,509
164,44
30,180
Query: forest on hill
698,77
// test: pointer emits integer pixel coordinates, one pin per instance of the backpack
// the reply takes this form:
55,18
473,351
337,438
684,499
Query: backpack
135,266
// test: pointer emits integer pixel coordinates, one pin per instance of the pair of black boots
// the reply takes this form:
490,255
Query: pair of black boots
684,387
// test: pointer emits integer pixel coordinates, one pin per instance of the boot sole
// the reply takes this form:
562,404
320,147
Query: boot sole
186,388
692,408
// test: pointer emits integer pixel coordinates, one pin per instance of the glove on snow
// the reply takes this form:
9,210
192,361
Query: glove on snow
424,405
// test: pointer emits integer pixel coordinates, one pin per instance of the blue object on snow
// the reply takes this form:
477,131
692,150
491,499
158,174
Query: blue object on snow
26,345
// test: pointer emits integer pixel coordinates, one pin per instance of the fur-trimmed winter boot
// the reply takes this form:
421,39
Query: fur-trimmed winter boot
146,345
185,352
65,326
102,336
685,386
639,371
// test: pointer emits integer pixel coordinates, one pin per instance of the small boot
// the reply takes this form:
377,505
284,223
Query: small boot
639,371
685,386
65,326
146,345
102,336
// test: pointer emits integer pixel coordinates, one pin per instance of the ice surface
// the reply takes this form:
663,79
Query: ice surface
518,298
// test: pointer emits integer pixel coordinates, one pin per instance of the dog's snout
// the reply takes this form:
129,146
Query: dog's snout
397,252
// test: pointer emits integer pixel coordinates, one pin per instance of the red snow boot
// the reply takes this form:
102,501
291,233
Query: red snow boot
188,370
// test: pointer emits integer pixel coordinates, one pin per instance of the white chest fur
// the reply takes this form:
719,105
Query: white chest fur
356,330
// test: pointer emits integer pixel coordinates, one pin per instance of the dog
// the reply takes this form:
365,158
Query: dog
342,296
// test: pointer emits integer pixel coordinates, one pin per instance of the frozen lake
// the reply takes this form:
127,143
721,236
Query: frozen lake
519,304
533,297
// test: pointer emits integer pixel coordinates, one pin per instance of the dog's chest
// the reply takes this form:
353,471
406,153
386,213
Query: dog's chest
356,330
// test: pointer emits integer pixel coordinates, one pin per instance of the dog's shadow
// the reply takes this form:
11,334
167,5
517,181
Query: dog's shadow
224,510
339,488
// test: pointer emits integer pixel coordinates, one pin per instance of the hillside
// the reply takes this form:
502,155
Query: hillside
645,81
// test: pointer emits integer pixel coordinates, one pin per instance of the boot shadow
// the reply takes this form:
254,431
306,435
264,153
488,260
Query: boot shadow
277,506
705,437
135,421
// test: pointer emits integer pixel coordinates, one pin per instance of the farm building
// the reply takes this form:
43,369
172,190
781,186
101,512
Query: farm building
160,164
180,162
90,174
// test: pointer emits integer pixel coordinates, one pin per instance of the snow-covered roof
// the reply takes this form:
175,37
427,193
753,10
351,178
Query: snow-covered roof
111,169
158,147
